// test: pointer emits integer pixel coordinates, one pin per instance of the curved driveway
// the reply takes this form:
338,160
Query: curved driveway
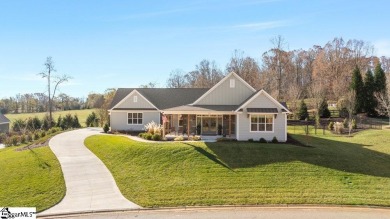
89,184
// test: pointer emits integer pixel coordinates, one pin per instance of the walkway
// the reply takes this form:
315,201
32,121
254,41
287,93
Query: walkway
89,184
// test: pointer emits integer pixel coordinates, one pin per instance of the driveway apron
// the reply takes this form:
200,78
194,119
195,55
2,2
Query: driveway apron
89,184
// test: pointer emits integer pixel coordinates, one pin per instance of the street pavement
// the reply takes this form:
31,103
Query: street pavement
245,213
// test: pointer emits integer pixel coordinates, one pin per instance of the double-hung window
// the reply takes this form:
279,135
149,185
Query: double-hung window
134,118
262,123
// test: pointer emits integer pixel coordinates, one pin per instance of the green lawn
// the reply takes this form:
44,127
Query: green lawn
82,114
31,178
335,170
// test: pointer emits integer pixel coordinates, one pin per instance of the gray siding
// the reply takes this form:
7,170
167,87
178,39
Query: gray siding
224,95
279,123
118,120
129,102
4,128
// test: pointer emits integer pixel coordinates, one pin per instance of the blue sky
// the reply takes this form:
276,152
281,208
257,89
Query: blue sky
104,44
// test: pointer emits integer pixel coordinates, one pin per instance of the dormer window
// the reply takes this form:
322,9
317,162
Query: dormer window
135,99
232,83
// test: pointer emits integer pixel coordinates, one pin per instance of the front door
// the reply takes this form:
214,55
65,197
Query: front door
209,125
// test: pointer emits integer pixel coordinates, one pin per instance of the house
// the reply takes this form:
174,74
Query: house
230,108
4,124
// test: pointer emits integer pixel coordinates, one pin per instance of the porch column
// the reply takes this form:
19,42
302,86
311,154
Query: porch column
188,125
230,124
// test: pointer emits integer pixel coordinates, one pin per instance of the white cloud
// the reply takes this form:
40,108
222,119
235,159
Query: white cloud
382,47
262,25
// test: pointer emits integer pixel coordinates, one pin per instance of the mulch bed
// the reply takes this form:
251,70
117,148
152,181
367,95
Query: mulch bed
34,145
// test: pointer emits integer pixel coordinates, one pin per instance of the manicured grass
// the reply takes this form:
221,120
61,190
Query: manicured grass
335,170
82,114
31,178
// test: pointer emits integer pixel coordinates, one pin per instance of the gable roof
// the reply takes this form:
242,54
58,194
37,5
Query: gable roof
220,82
3,119
162,98
251,98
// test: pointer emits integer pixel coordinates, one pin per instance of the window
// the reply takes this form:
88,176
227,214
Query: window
232,83
262,123
135,99
134,118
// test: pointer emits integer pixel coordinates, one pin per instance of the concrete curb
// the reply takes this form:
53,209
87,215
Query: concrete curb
219,207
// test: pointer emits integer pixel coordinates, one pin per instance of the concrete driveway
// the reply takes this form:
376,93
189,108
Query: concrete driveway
89,184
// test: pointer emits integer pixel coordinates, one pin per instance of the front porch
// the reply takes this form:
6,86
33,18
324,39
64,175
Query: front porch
206,125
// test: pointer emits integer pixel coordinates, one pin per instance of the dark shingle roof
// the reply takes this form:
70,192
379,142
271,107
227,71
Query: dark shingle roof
262,110
224,108
3,119
163,98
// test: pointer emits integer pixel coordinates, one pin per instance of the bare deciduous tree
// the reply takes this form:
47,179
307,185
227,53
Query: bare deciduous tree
177,79
102,111
383,99
246,67
52,79
349,103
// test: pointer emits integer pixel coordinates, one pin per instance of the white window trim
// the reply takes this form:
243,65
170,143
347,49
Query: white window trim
137,118
135,98
250,124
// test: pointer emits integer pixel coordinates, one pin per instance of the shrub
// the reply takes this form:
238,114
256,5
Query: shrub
262,140
92,120
33,123
76,123
106,128
274,140
156,137
303,114
338,127
345,123
179,138
23,139
323,110
153,128
3,136
354,125
47,123
18,125
331,125
29,137
148,136
36,135
141,135
8,142
225,139
54,130
43,134
67,122
250,140
195,138
15,140
59,121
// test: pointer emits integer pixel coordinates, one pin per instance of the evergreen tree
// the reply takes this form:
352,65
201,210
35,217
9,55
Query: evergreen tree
75,122
370,103
358,86
323,110
380,79
303,114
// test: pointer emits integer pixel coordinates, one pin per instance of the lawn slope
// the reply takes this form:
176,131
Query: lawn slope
31,178
335,170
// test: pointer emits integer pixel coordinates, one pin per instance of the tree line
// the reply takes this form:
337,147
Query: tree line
290,75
